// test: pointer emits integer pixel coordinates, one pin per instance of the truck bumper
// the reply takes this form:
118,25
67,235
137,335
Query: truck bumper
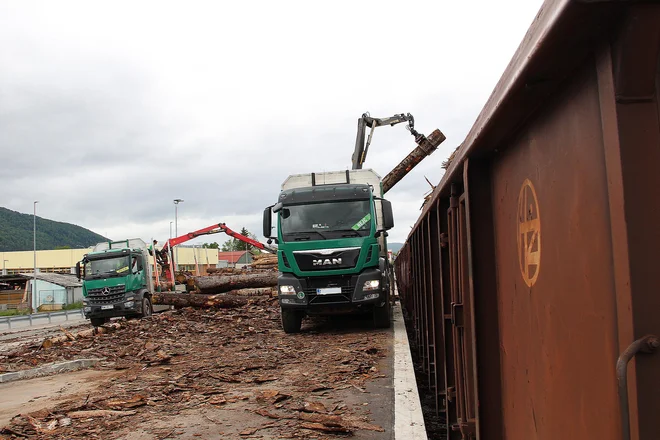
329,295
118,309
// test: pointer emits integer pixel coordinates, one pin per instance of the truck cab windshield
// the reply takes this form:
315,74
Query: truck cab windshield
108,267
321,221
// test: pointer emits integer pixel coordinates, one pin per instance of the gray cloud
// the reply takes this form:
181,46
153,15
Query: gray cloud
106,116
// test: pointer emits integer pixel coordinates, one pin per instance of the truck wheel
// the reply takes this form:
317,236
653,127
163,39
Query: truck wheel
146,308
383,315
98,322
291,320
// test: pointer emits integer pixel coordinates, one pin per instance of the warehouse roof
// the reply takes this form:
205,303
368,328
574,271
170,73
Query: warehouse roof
64,280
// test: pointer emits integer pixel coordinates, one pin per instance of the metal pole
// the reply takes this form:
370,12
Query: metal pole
176,231
4,268
34,267
196,263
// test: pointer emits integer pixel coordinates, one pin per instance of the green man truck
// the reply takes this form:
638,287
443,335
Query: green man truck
332,246
117,281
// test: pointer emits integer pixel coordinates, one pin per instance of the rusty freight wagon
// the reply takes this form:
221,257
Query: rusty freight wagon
531,277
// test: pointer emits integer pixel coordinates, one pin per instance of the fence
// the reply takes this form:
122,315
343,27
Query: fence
40,317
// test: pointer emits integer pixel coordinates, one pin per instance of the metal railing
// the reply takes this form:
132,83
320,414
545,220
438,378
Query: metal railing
40,317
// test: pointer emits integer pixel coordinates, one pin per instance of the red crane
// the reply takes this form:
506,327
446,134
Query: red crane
164,254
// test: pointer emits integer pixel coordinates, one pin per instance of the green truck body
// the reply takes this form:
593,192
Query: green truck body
117,281
332,247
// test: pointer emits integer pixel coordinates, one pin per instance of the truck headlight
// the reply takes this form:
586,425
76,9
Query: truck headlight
129,304
84,303
87,309
287,290
371,285
130,298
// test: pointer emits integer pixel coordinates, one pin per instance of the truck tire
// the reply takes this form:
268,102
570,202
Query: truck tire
383,315
291,320
98,322
146,308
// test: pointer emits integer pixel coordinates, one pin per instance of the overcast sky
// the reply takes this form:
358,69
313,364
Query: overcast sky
109,111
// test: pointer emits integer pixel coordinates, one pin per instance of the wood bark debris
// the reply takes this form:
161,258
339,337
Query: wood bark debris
99,413
88,333
209,360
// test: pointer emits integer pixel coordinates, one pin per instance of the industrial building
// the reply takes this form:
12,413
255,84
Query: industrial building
53,290
191,259
235,259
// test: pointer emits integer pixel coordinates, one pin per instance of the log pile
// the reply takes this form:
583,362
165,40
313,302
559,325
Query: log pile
199,301
225,271
225,283
264,261
88,333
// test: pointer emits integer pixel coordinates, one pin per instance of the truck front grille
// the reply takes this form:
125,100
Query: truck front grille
106,295
345,258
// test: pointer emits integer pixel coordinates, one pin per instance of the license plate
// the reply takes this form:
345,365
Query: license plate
107,307
328,290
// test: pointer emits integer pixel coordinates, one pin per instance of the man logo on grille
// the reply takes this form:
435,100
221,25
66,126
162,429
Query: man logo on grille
105,291
326,262
529,233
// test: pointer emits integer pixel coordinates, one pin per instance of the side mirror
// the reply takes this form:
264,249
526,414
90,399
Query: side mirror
267,222
388,215
78,270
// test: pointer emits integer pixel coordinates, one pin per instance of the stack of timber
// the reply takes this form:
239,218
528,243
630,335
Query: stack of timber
264,261
226,286
222,289
226,283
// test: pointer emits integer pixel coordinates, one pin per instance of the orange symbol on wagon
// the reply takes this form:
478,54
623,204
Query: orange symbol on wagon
529,233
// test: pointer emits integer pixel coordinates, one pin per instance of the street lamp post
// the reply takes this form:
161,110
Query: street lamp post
171,230
176,232
34,267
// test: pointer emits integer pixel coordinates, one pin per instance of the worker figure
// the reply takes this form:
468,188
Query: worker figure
151,247
154,251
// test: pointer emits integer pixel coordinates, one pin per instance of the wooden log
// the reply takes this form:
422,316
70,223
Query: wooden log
265,266
259,291
263,256
200,301
225,283
99,413
223,271
107,328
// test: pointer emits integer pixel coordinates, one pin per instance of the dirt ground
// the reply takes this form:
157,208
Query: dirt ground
228,373
35,394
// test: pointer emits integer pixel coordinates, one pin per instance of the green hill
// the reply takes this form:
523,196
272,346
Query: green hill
394,247
16,233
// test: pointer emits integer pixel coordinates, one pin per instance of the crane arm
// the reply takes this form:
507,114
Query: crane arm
224,228
214,229
361,148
